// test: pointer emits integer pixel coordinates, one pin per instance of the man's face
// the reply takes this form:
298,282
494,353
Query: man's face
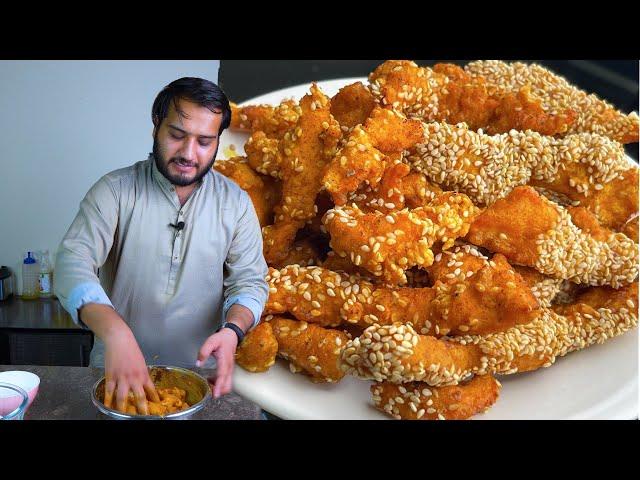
185,146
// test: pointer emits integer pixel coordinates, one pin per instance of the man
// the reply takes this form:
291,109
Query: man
179,250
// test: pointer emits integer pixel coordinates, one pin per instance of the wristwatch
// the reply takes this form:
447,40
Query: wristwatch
235,328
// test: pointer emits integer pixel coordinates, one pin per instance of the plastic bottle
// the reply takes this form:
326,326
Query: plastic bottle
30,271
46,276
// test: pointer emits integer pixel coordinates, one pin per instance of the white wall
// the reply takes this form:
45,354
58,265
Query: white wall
64,124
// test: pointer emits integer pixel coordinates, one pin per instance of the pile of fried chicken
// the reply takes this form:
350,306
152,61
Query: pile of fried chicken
170,400
438,227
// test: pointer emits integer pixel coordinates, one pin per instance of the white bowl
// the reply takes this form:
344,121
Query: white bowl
29,382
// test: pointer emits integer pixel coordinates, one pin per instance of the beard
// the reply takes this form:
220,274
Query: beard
179,179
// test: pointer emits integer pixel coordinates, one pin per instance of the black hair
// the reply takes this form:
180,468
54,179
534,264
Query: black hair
198,90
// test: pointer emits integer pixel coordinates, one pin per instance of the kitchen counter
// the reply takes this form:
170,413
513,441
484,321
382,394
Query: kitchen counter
42,313
41,332
65,394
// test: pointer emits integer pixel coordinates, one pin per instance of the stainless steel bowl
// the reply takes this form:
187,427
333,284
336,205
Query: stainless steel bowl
163,376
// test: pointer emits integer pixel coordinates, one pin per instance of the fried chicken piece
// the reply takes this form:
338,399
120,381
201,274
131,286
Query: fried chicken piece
613,202
593,114
391,132
475,295
258,350
447,93
277,240
303,252
368,151
417,190
357,162
336,263
264,155
468,100
397,189
387,245
309,347
321,296
264,191
352,105
487,168
535,232
387,195
599,313
273,121
305,149
492,298
544,288
419,401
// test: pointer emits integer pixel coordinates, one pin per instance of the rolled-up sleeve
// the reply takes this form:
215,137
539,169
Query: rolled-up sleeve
245,266
85,248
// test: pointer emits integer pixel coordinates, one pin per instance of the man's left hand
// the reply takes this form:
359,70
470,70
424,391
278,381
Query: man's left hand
222,345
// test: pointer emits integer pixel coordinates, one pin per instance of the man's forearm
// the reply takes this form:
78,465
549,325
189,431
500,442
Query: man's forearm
104,321
241,316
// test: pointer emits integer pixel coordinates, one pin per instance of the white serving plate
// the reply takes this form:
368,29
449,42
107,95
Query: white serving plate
600,382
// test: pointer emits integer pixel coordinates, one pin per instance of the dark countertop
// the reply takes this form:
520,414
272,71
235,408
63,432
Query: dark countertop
65,394
42,313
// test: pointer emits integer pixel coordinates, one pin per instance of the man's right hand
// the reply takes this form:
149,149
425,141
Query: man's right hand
125,367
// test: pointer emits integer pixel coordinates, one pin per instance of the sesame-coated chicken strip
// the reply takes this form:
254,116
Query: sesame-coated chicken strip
398,188
358,161
331,299
593,114
471,295
303,252
309,347
368,150
475,295
544,288
306,149
352,105
264,191
388,244
613,203
397,353
419,401
487,167
264,154
446,93
273,121
257,352
531,230
277,240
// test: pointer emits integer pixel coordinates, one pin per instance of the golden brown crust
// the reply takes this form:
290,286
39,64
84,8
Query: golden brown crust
533,231
446,93
257,352
273,121
419,401
592,114
597,314
264,191
352,105
388,244
313,349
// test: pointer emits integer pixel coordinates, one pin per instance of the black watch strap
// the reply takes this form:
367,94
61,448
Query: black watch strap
235,328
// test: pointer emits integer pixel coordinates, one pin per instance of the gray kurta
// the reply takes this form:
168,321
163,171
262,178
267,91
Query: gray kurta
172,288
